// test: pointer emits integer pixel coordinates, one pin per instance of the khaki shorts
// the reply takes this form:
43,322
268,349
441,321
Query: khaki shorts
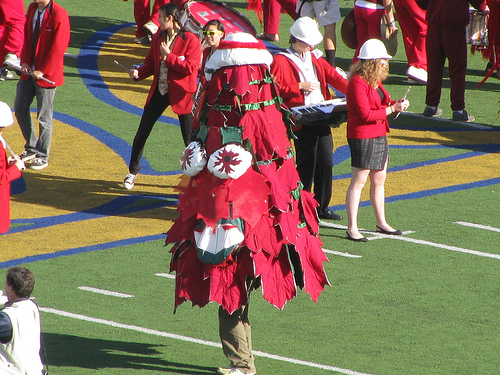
326,12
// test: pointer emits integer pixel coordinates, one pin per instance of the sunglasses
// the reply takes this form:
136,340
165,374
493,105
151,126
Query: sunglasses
212,32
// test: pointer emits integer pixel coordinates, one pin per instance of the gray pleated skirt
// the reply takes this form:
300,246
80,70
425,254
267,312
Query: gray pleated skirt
370,153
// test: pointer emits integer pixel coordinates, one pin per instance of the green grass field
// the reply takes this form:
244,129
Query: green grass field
420,304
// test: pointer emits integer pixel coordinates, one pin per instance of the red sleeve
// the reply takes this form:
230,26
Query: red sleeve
189,62
357,99
7,173
148,68
285,77
332,76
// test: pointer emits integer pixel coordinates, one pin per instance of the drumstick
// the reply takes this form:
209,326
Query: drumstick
19,69
123,66
46,79
404,98
12,152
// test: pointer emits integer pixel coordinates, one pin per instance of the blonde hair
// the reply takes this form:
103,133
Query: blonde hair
371,70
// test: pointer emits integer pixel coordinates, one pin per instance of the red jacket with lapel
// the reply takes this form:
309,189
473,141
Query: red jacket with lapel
52,43
366,115
287,77
183,64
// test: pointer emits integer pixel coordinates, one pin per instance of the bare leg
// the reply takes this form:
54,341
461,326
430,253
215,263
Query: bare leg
353,197
377,196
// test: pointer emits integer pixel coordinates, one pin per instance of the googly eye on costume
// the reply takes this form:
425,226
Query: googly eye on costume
230,161
194,159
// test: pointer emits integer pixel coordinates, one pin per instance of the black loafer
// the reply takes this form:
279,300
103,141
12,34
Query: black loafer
390,233
329,215
361,239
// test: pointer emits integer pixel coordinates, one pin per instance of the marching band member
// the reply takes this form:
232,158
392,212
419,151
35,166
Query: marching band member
303,78
368,14
213,33
368,105
173,59
47,35
413,25
10,169
12,19
446,40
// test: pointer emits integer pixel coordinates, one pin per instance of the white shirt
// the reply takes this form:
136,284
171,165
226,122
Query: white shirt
307,73
22,354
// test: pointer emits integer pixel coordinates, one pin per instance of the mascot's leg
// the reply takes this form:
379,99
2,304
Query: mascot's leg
236,337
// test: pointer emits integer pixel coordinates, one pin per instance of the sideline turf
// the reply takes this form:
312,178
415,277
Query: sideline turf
402,308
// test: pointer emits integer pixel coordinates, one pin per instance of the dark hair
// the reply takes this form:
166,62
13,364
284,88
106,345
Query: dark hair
292,39
171,9
21,280
215,23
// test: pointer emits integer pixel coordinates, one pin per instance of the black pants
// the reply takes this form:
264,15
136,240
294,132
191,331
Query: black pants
314,148
152,112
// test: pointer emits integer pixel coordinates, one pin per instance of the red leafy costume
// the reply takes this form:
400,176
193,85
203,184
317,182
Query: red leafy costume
281,248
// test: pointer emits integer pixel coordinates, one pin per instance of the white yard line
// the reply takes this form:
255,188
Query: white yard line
446,247
167,275
378,236
105,292
486,227
193,340
347,255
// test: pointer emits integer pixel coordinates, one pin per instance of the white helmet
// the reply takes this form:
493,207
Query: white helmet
306,30
373,49
6,118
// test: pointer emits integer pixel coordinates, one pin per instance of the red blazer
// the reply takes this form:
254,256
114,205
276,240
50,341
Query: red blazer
287,76
52,43
183,64
366,116
7,174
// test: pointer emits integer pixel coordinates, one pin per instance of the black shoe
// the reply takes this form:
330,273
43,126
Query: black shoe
396,232
329,215
432,112
462,117
362,239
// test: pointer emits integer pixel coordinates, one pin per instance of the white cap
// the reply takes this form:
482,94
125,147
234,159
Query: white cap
6,118
306,30
373,49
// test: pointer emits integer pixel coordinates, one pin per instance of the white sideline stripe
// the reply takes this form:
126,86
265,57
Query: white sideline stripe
331,225
167,275
347,255
193,340
105,292
487,227
446,247
378,236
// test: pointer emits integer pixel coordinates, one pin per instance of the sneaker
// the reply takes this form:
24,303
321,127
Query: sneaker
12,62
146,39
128,182
432,112
27,156
417,74
232,371
6,74
462,116
150,28
39,163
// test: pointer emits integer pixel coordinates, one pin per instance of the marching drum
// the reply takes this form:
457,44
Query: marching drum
197,13
477,29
